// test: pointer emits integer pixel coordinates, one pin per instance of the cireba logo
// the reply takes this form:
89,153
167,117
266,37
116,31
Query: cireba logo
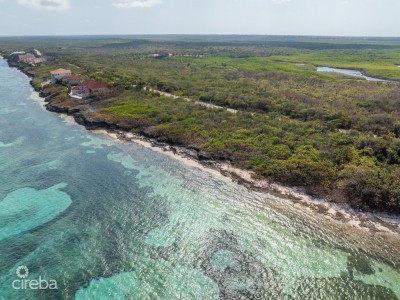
34,284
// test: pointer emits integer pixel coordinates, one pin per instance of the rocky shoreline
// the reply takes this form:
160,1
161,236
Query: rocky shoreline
370,221
374,222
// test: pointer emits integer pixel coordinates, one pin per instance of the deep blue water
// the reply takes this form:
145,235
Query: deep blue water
112,220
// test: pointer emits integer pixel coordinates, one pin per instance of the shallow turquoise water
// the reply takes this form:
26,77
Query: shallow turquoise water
113,220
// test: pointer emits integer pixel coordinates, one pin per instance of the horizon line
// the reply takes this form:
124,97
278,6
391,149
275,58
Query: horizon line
198,34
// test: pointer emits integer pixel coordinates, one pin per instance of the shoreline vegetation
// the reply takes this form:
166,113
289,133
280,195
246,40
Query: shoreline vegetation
368,221
365,177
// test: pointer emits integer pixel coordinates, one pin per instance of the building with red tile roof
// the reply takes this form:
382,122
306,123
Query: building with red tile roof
73,79
88,88
59,74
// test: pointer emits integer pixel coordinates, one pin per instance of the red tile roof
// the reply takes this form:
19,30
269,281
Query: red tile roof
60,71
93,84
88,86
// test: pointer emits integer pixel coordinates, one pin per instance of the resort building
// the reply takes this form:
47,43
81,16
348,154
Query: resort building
59,74
30,59
73,79
89,88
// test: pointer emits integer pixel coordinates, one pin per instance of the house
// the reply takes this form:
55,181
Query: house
159,55
73,79
59,74
88,88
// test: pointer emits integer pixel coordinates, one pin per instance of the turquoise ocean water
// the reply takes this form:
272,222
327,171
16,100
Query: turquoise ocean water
112,220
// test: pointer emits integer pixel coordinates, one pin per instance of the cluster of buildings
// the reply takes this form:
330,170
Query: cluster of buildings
162,55
80,88
29,58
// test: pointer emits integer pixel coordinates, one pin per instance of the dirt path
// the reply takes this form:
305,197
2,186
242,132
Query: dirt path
209,105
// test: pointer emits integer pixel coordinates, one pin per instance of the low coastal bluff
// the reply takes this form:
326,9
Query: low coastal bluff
293,151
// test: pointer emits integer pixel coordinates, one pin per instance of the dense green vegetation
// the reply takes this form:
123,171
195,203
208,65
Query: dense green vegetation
334,135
